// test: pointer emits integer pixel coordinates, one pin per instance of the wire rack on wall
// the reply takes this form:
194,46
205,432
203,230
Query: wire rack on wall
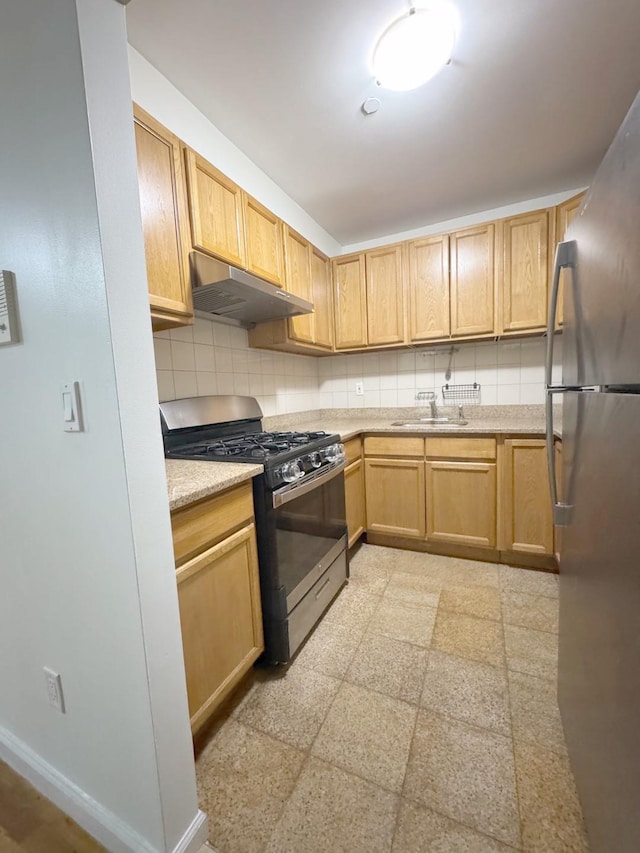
458,393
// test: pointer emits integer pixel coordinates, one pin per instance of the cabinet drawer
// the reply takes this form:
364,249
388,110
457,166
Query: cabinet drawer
390,446
353,449
461,448
316,601
201,525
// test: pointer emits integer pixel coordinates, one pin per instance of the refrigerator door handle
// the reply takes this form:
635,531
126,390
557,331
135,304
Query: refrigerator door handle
561,511
565,257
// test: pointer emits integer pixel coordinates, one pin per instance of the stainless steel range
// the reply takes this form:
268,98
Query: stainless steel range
299,507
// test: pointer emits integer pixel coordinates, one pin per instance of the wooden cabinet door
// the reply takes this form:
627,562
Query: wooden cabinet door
527,523
526,270
473,280
221,619
263,233
163,204
428,277
565,213
385,296
355,500
350,301
215,205
461,503
322,299
297,255
395,497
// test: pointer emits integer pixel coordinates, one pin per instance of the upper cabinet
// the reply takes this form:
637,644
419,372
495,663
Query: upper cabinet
565,213
525,270
489,280
263,232
473,281
428,289
350,301
322,299
384,273
163,205
215,205
297,253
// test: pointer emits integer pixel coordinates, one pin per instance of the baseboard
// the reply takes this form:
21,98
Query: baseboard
195,837
540,562
112,832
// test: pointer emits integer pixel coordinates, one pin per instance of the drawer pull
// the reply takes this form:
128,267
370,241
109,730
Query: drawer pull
322,588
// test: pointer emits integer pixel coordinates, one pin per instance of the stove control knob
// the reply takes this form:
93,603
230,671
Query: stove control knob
315,460
292,471
334,453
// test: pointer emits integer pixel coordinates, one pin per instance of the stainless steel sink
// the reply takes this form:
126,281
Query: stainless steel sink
432,422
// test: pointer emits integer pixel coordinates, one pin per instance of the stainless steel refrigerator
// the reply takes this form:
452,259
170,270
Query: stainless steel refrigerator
598,502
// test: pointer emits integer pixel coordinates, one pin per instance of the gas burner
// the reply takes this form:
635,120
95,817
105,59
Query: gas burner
258,446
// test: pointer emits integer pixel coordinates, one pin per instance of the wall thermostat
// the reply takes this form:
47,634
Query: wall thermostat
9,326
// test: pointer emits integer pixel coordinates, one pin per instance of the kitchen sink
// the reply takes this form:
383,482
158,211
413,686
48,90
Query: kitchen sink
432,422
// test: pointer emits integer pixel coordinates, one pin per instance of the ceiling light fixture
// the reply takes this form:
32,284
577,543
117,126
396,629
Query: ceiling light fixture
415,47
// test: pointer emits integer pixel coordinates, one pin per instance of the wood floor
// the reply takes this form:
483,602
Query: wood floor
29,822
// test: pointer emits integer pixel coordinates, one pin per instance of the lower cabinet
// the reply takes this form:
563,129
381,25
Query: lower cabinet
461,503
220,607
395,497
482,496
461,491
527,521
355,500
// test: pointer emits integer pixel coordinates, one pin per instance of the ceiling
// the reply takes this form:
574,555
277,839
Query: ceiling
528,107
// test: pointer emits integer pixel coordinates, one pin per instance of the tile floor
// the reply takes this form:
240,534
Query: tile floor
420,716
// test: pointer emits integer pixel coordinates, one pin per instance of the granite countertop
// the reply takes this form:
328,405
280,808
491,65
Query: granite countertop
482,420
352,426
189,481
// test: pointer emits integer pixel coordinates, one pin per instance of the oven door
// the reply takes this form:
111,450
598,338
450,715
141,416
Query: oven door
310,530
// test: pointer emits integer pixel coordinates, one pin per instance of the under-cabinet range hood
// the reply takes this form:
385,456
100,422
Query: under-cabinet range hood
226,291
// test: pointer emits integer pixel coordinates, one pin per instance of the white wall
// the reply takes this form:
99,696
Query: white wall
87,577
154,93
465,221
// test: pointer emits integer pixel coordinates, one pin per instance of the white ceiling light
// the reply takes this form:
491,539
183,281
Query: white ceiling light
415,47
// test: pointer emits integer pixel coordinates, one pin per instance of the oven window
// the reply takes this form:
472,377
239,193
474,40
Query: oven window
307,529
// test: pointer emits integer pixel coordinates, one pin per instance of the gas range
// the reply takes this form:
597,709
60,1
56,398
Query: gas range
286,456
299,507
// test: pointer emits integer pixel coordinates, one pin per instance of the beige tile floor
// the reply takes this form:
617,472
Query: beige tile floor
420,716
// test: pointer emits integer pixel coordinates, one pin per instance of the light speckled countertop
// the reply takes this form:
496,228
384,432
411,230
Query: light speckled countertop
482,420
352,426
189,481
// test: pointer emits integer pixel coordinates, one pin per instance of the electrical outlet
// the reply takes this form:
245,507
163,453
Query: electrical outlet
54,689
359,389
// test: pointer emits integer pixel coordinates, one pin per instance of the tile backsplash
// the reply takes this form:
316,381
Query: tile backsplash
214,358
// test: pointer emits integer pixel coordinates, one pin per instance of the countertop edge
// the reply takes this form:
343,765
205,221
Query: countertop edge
191,481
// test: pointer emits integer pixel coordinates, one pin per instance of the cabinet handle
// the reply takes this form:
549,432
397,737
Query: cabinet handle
323,587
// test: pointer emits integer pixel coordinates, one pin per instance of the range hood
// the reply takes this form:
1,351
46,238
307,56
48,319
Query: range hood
226,291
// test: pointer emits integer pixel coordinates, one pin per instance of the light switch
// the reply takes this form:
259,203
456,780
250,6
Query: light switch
9,326
72,407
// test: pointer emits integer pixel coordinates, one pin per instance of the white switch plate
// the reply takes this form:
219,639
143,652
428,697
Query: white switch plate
72,407
54,689
359,389
9,325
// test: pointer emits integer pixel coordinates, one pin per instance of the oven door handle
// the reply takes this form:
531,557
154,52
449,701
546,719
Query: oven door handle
290,494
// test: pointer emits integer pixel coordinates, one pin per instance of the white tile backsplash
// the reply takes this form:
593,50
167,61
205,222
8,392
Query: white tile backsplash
214,358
